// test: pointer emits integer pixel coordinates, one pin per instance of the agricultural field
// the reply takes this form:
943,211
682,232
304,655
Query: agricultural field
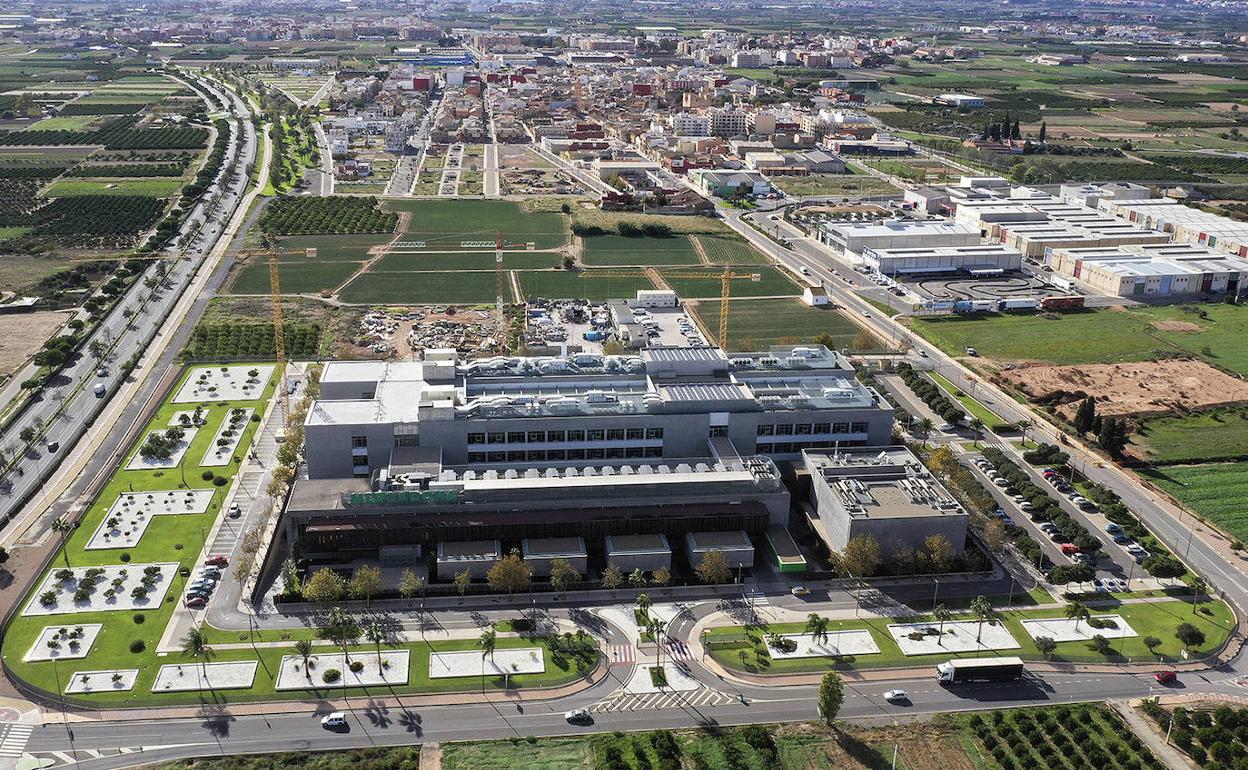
730,251
331,215
453,287
1059,737
1214,491
772,282
1216,435
300,88
613,250
918,170
756,324
1213,735
155,188
294,278
589,284
445,224
610,221
421,261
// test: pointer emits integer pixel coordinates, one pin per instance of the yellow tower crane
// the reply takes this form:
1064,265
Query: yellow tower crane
279,333
725,280
499,315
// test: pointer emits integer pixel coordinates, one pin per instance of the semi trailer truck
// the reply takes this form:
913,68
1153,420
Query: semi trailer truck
979,670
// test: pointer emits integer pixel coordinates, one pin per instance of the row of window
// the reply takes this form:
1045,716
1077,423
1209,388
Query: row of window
786,447
539,455
545,436
808,429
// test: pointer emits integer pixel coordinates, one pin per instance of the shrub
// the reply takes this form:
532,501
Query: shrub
139,618
207,475
220,481
356,666
125,557
137,646
331,675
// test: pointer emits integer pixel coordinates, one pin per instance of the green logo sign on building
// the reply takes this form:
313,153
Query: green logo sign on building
416,497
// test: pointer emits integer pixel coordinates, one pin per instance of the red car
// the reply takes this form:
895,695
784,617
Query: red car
216,561
1165,677
196,601
1070,549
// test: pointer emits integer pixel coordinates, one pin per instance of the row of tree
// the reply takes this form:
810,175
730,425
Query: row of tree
1111,432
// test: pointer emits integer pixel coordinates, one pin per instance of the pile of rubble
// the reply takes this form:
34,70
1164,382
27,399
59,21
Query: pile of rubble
468,331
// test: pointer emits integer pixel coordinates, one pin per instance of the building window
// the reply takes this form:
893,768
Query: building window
407,439
615,434
476,457
858,427
635,434
359,442
556,435
823,427
719,431
515,457
783,448
654,451
766,430
498,457
576,435
557,454
537,436
615,453
634,451
498,438
840,427
765,448
515,438
595,454
595,435
535,456
803,429
476,438
360,471
654,433
576,454
784,430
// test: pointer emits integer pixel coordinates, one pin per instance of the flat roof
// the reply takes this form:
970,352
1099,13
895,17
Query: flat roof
701,541
553,546
879,482
893,227
637,544
469,550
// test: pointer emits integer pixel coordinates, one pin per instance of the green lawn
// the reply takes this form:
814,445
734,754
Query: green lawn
448,222
67,123
295,278
465,260
840,185
972,406
764,322
773,283
1223,331
1202,437
457,287
611,250
731,251
157,188
1156,619
589,284
1215,491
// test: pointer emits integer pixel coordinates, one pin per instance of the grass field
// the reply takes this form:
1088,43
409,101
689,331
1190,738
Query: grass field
845,185
329,248
588,284
67,123
555,754
611,250
157,188
448,222
452,287
731,251
1204,437
464,260
295,278
763,322
1215,491
971,405
772,283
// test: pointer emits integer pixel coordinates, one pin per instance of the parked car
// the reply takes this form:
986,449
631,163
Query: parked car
1070,549
235,511
334,720
1112,528
799,590
196,601
216,560
1121,538
970,351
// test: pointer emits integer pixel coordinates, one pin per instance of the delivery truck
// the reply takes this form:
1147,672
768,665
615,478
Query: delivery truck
979,670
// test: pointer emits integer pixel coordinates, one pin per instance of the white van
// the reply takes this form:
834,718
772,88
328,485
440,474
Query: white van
100,390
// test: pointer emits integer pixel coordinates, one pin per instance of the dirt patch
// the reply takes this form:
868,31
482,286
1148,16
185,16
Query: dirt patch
920,746
1177,326
21,334
1143,388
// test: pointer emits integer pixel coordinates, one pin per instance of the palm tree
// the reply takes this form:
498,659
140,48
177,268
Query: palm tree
487,643
375,634
63,527
977,425
982,609
303,648
655,627
341,629
817,626
924,426
942,613
643,604
1199,587
195,644
1076,611
1024,425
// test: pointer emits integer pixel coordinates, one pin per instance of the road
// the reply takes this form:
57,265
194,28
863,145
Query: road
67,405
324,175
491,171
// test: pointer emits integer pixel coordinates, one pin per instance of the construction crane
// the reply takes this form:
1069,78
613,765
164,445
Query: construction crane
725,280
499,316
279,335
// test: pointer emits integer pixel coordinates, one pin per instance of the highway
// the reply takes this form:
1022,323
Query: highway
68,404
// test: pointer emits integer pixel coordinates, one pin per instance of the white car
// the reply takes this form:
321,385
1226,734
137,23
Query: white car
334,719
578,715
893,696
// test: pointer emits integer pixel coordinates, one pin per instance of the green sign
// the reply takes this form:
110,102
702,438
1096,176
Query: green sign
405,498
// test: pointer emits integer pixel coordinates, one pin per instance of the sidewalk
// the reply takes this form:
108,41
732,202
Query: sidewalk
1174,759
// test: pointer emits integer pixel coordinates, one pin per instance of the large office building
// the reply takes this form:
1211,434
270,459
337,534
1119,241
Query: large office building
856,237
982,259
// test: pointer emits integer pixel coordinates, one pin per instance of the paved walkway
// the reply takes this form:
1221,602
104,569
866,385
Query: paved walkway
1145,730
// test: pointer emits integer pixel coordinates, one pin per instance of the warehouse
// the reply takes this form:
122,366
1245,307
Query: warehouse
856,237
885,493
1033,238
987,259
1161,270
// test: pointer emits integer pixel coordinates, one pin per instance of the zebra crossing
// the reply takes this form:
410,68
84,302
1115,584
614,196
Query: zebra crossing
626,701
678,650
623,654
13,738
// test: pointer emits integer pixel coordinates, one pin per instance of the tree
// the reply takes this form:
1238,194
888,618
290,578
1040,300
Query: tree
713,568
612,577
341,629
303,648
637,578
26,434
924,427
1100,644
942,614
1023,426
364,583
1076,611
1085,414
410,584
195,644
861,557
563,575
290,577
939,551
376,634
324,587
487,643
994,534
661,576
1044,130
1045,645
1152,643
643,604
863,340
1189,635
462,581
1199,587
816,626
942,462
831,696
63,527
982,609
510,573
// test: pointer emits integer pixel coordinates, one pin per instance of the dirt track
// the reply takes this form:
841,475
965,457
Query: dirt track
21,334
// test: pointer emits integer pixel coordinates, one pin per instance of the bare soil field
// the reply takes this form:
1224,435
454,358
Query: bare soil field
21,334
1146,387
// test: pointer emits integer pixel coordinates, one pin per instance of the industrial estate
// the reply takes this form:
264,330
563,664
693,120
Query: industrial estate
605,385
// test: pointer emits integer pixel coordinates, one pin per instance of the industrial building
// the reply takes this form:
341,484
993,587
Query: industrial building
1158,270
985,259
856,237
885,493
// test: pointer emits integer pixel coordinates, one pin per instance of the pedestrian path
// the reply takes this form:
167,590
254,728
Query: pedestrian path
623,654
626,701
13,738
678,650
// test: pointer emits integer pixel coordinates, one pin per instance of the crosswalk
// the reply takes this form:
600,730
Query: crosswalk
49,759
13,738
626,701
623,654
678,650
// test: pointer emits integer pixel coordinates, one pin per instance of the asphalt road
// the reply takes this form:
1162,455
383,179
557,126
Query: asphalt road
68,404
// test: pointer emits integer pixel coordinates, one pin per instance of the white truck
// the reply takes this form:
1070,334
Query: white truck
979,670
